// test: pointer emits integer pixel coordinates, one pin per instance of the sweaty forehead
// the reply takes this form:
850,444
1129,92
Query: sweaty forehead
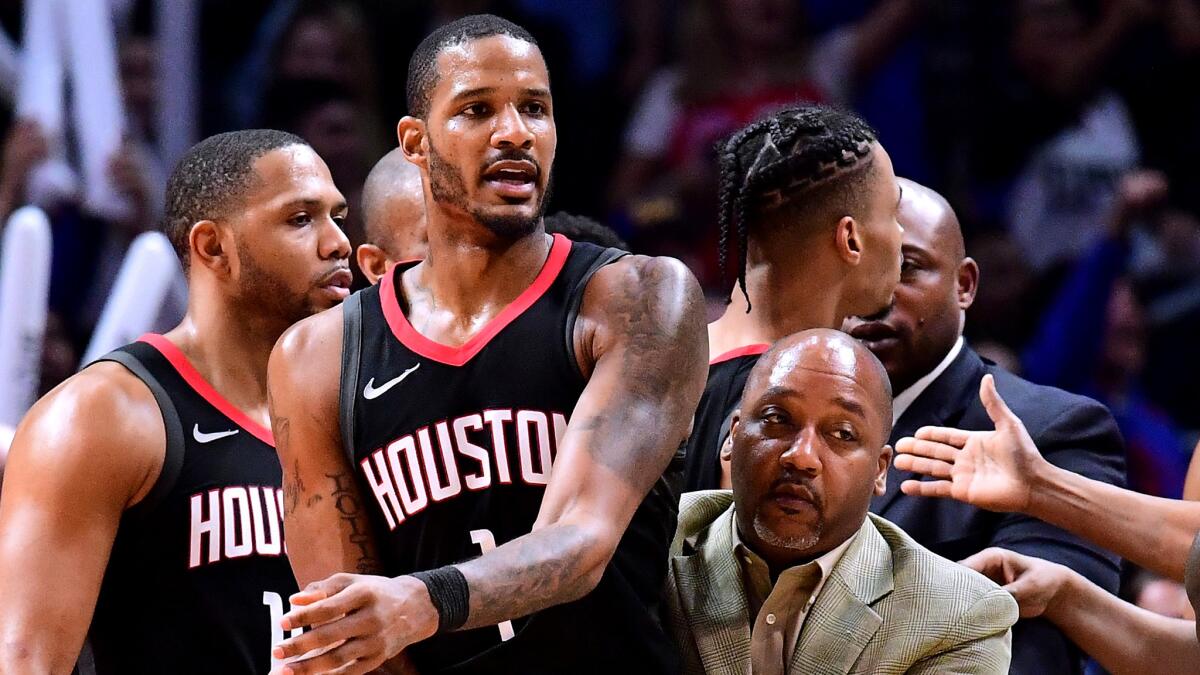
837,360
823,360
498,61
288,172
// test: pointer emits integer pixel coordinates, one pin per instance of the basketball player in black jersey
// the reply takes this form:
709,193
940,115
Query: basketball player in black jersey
812,198
463,380
146,486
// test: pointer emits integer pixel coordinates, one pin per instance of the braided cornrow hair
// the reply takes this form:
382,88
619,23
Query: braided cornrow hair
779,160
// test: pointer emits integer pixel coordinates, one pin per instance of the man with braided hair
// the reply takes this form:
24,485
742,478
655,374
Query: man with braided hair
812,200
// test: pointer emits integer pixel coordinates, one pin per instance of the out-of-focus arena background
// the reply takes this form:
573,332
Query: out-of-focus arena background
1064,132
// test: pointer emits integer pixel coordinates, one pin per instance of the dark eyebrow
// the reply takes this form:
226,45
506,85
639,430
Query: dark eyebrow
778,391
471,93
850,405
535,92
314,204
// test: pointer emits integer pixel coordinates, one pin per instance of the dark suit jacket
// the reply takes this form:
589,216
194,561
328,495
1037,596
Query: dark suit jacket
1073,432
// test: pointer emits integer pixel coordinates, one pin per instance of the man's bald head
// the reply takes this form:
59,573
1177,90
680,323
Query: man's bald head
925,210
937,284
393,203
827,351
809,445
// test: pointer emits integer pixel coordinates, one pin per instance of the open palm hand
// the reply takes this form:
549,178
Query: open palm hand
987,469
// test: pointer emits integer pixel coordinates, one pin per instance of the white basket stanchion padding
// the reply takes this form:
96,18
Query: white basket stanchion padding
24,291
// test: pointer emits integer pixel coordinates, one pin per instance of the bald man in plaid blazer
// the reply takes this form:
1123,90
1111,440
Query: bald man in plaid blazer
787,574
890,606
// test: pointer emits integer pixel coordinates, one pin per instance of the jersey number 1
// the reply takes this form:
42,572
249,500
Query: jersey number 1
487,541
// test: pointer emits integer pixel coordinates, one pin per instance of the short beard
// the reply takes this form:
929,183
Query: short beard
798,543
266,294
448,187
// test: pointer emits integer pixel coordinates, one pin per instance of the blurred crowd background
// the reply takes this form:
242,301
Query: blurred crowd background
1064,132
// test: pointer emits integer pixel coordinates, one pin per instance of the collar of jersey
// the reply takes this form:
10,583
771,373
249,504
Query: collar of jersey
196,381
457,356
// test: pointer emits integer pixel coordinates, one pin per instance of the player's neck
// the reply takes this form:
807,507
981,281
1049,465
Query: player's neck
468,274
230,349
782,301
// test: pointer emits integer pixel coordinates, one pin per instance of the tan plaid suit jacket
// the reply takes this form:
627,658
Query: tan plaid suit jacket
889,606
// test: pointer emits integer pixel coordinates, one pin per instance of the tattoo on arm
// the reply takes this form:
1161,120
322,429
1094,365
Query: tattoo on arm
516,579
649,374
657,324
350,511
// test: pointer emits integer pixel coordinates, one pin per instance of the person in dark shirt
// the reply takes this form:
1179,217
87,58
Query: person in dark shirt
936,377
811,199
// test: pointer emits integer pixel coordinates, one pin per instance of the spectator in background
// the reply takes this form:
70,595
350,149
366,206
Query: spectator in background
935,376
1092,340
1006,308
307,40
328,116
740,61
88,250
1048,133
393,214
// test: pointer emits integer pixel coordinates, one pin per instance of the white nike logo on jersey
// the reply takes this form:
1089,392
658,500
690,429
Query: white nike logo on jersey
371,391
202,437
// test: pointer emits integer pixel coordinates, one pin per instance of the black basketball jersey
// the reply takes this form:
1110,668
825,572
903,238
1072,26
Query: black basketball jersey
722,393
198,579
453,449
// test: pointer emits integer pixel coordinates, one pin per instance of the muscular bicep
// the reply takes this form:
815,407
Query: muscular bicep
648,347
325,525
67,485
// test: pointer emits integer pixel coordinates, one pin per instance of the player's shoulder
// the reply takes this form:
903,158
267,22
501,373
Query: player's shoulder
102,421
104,400
306,360
641,280
312,337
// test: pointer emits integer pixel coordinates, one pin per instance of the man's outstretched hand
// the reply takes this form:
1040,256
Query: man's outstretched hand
354,623
993,470
1034,583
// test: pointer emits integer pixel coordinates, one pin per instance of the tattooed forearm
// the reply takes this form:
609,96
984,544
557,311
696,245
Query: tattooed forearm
350,511
530,573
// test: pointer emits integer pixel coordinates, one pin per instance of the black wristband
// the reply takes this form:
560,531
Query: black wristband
450,595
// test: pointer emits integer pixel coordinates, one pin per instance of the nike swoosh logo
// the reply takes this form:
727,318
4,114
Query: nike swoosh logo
202,437
372,392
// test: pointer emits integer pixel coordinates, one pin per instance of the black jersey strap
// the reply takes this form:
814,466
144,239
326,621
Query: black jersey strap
575,298
173,457
351,358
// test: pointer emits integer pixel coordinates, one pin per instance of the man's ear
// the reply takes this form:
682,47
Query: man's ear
373,262
413,141
211,246
885,460
968,282
849,240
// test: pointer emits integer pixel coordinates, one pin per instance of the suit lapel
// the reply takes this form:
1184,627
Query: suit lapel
943,401
841,622
714,601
